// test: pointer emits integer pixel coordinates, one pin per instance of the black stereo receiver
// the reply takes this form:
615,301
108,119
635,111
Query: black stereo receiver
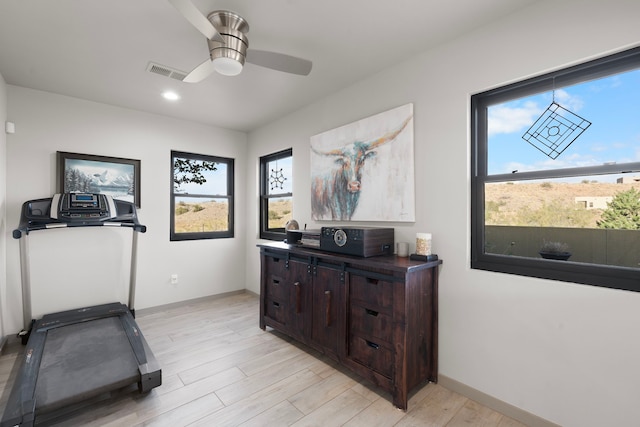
359,241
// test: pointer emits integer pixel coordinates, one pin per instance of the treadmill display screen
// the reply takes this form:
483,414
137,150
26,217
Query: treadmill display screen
79,200
85,207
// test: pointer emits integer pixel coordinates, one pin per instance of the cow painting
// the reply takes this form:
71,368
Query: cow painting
336,192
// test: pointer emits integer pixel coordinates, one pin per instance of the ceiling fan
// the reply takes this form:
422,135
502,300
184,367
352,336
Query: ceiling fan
226,34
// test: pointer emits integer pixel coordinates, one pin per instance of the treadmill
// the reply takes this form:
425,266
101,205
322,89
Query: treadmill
79,354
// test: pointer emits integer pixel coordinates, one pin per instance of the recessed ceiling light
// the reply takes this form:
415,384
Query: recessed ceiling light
171,96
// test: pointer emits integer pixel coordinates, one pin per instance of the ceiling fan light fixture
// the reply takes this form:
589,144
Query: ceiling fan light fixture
227,66
228,57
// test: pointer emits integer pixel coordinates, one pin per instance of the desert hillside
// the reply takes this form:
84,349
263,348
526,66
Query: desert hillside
511,203
213,216
203,216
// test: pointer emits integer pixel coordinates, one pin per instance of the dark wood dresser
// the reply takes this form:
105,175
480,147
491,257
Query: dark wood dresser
377,316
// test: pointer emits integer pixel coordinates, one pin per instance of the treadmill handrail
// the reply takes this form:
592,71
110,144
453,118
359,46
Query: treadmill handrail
18,232
44,221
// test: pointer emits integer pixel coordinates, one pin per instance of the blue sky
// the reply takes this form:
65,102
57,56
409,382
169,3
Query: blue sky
216,182
610,104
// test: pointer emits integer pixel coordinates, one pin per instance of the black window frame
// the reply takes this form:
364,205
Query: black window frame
614,277
229,233
267,233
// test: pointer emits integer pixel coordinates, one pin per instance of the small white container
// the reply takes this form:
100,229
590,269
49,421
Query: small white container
403,249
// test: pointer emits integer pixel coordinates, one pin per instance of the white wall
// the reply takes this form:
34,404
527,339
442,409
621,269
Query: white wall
3,200
46,123
565,352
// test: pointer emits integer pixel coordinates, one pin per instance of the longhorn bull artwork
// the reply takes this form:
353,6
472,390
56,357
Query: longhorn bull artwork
385,160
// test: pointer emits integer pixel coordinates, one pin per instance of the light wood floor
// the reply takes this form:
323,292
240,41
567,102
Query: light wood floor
220,369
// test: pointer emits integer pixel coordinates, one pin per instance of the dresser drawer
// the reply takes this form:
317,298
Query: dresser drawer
371,354
276,287
276,310
376,293
370,322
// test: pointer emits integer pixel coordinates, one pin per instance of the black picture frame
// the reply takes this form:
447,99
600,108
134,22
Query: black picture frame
114,176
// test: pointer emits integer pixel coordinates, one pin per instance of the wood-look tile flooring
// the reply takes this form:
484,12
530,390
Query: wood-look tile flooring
220,369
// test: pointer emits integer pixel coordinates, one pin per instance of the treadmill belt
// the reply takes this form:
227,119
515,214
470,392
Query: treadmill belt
84,360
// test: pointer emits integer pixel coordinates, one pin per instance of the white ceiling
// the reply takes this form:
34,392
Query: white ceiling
99,50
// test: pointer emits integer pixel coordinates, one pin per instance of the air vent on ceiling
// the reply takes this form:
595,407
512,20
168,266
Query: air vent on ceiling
163,70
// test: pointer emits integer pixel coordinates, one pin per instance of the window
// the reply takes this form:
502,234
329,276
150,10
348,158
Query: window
201,196
556,162
276,197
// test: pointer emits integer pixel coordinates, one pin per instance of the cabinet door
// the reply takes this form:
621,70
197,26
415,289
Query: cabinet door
288,295
328,322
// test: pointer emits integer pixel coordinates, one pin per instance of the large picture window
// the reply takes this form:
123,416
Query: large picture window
556,175
201,196
276,194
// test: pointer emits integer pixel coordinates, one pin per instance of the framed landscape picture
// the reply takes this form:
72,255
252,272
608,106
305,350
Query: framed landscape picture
88,173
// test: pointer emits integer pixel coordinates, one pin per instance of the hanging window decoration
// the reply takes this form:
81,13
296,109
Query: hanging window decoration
555,130
277,178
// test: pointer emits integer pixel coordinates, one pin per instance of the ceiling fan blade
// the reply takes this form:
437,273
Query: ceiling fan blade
197,19
200,73
279,61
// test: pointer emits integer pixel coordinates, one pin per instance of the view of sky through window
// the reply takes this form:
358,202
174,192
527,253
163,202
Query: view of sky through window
610,104
216,182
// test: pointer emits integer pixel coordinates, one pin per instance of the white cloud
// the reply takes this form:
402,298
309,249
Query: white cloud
567,101
512,119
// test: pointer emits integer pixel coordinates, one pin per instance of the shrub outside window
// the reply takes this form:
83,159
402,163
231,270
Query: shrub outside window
276,196
201,196
556,169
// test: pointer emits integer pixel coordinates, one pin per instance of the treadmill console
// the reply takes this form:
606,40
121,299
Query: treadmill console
82,207
77,210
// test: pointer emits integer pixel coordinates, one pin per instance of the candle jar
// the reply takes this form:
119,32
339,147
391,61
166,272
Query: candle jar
403,249
423,243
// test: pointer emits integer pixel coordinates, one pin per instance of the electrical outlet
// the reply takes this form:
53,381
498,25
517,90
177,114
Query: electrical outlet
174,279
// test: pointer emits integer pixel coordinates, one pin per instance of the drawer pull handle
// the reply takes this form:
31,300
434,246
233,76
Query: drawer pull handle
372,281
373,345
327,302
276,304
298,298
276,281
371,312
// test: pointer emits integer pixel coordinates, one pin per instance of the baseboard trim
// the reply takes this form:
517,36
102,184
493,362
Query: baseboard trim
158,308
526,418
